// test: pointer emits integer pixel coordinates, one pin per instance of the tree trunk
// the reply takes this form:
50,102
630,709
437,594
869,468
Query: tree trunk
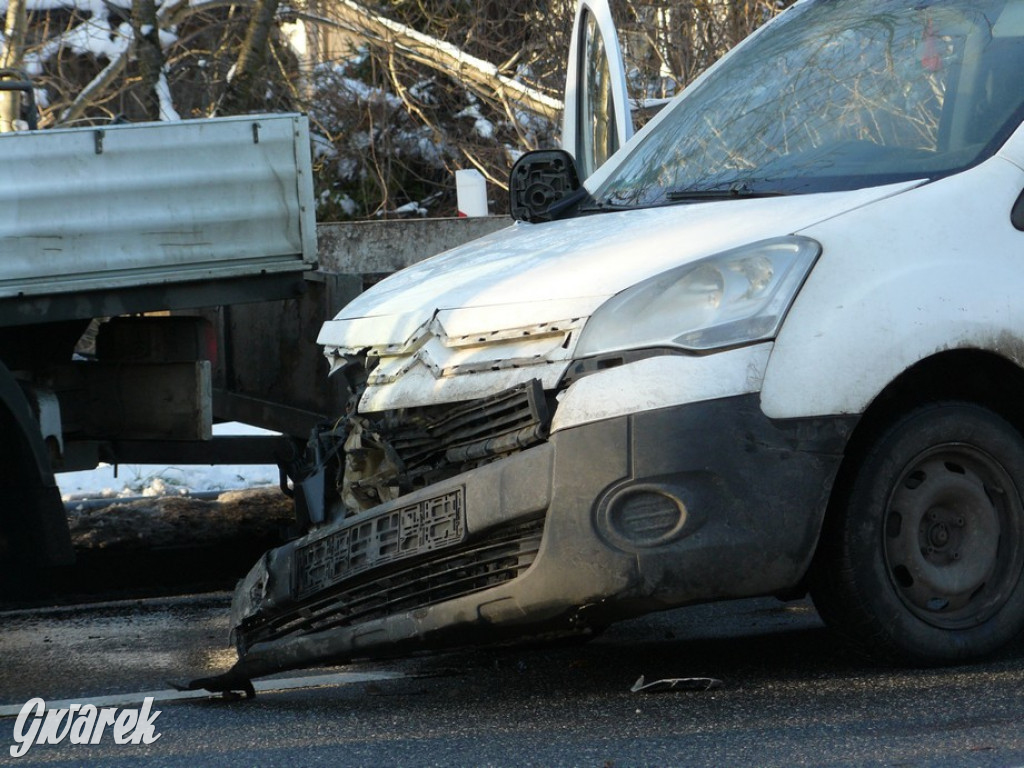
739,21
149,58
242,90
11,55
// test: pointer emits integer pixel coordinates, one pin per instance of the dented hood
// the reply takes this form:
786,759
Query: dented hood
512,301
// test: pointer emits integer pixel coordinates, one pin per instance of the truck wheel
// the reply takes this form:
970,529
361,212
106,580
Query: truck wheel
922,555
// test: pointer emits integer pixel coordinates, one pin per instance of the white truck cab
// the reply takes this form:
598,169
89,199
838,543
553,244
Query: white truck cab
775,343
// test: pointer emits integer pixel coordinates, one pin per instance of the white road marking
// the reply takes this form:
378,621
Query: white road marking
274,684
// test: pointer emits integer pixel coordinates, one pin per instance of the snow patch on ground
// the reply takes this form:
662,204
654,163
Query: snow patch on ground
128,480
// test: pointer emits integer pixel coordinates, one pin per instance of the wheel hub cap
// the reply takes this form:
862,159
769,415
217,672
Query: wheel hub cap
948,534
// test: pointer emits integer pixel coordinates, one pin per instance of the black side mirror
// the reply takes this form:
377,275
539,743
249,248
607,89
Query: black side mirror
543,186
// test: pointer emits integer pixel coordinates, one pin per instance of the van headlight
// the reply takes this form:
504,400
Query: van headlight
733,298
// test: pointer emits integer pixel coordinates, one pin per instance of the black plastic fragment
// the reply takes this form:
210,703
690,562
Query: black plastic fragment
226,683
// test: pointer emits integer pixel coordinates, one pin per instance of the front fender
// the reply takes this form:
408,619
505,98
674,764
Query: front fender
937,268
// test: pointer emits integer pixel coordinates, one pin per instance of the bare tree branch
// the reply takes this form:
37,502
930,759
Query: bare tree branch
474,73
94,89
168,15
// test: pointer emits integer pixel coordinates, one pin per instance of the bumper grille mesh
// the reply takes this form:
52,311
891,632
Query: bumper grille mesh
446,575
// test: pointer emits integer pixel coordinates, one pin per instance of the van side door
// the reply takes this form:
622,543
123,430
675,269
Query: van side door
597,119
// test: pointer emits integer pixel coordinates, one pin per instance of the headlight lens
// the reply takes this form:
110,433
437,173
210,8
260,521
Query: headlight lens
732,298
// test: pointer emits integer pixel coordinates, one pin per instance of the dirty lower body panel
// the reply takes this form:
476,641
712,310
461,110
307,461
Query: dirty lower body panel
602,522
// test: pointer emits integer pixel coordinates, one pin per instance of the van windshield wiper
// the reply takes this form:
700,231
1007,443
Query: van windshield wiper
739,189
604,206
734,191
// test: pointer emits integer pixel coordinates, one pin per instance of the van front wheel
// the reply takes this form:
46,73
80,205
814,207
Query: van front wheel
922,555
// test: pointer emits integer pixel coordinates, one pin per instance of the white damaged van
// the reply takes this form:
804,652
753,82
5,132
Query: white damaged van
774,344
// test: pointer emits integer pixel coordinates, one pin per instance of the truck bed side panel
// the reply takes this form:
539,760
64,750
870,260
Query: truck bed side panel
154,204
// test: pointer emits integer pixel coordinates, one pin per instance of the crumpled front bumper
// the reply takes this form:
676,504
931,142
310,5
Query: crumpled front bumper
605,521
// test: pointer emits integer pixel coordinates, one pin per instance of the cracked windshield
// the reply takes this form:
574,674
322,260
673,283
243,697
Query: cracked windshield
837,96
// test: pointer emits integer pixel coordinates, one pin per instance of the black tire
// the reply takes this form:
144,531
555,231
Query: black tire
922,555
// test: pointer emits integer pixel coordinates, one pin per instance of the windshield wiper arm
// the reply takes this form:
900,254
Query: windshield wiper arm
604,206
737,190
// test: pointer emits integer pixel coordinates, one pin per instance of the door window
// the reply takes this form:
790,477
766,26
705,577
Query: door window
597,116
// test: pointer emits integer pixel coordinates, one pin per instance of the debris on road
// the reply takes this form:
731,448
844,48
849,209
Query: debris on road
676,684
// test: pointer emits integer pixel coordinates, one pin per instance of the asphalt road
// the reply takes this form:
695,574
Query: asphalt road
789,697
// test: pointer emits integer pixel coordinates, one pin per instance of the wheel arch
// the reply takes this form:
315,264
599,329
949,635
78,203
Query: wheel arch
969,375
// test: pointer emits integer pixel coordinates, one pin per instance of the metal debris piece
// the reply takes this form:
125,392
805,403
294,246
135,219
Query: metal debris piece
676,684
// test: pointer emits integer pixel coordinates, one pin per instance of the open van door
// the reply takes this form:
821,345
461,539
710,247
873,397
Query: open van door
597,119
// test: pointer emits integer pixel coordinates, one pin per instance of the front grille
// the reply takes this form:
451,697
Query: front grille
389,455
491,426
448,574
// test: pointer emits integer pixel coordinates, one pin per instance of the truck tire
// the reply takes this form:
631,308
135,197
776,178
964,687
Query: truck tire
33,522
921,559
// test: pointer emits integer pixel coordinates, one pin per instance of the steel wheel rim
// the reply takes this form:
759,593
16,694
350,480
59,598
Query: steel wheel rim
952,536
